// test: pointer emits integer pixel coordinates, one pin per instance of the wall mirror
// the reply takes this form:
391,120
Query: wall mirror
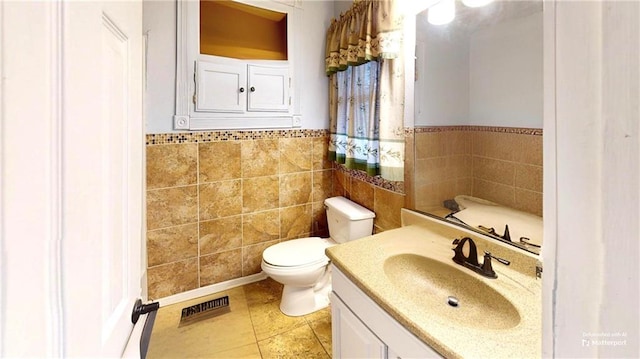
477,141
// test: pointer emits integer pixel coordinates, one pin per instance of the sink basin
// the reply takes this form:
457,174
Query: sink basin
429,283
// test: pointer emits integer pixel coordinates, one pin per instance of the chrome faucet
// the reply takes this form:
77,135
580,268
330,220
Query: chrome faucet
471,261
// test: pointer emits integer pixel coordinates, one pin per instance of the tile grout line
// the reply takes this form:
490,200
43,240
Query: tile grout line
198,204
253,327
242,216
316,334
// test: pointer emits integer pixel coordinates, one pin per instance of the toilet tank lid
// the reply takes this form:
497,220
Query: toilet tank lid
349,209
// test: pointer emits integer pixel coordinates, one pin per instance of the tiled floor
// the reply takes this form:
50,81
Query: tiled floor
253,328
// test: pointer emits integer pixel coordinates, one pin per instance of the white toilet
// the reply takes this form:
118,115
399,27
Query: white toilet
301,264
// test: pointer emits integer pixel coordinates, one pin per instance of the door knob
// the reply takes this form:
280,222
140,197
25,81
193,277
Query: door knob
140,309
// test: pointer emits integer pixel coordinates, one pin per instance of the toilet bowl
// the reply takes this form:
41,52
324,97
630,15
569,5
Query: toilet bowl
302,267
301,264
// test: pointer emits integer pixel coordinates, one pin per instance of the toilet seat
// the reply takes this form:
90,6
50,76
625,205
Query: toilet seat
298,253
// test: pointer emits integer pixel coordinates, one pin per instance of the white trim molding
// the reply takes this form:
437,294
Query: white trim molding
2,188
211,289
56,229
181,118
548,252
31,213
592,180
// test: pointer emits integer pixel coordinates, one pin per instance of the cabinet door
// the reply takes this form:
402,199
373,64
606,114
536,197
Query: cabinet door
351,338
399,342
268,88
221,87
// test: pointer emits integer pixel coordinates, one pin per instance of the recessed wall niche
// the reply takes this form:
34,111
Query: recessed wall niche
236,30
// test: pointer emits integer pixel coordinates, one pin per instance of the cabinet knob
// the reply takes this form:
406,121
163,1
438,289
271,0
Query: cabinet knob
241,89
252,89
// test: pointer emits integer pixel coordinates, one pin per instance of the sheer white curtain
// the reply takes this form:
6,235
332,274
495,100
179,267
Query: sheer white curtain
355,134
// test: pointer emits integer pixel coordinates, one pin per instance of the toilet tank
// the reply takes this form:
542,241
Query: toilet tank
348,220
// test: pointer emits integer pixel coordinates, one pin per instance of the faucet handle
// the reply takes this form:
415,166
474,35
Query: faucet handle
487,269
501,260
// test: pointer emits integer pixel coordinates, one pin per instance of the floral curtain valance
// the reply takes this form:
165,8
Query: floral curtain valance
370,30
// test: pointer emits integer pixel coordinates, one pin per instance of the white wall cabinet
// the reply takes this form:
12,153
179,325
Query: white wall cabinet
361,329
214,92
240,88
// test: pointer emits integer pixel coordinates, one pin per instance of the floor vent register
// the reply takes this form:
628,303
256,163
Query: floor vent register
205,310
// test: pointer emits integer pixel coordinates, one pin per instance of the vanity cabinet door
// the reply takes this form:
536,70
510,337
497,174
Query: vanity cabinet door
349,301
351,338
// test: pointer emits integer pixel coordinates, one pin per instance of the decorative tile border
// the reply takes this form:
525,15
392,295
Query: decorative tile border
516,130
394,186
212,136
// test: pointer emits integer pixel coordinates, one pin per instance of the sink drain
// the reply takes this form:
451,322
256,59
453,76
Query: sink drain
453,301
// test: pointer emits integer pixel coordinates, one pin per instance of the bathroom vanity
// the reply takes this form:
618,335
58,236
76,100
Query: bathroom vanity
379,335
399,294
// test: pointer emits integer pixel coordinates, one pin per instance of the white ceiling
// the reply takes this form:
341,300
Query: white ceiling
470,19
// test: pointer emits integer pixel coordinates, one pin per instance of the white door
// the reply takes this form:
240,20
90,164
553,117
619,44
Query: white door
102,173
72,177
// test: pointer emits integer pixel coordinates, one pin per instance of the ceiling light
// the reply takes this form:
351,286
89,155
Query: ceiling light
476,3
442,12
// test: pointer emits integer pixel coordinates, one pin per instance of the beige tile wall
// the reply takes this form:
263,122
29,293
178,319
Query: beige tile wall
409,168
443,167
507,169
213,207
215,201
497,164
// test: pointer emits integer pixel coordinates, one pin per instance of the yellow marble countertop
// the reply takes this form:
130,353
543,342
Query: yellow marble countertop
440,326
